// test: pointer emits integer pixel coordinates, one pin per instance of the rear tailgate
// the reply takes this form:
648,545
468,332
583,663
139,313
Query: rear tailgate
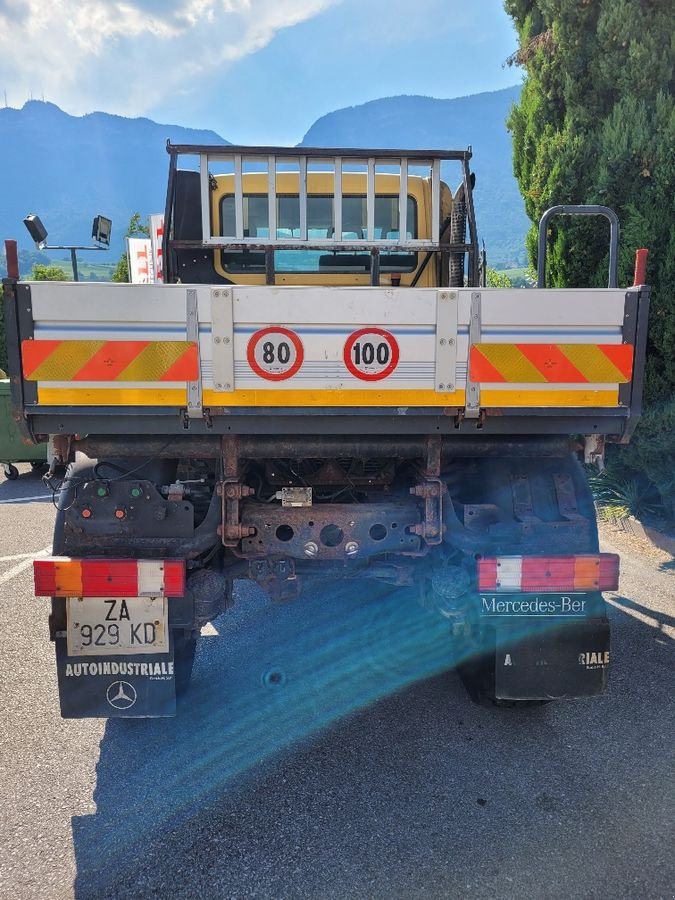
221,352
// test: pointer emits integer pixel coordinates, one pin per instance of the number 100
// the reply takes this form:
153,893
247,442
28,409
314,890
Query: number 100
366,353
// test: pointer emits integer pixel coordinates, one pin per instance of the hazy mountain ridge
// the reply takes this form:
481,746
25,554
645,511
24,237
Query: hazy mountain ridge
69,168
478,121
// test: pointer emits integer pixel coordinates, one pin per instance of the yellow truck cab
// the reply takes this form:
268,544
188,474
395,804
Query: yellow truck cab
326,266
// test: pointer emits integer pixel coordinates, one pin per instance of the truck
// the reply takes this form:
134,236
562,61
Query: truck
323,386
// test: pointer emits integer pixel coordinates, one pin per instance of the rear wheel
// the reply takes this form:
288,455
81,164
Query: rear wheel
478,678
477,674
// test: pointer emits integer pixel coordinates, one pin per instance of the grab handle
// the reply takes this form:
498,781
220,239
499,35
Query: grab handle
582,210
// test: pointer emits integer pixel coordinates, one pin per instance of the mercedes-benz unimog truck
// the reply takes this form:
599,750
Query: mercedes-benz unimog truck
324,387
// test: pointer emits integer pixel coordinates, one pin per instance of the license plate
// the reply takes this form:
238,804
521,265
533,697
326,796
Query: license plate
110,626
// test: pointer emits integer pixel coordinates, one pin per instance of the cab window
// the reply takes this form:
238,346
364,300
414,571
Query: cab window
319,227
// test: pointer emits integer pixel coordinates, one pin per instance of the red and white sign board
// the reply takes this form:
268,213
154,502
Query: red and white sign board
275,353
139,251
371,354
156,222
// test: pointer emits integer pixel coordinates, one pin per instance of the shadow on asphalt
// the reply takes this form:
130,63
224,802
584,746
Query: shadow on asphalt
28,486
324,750
662,619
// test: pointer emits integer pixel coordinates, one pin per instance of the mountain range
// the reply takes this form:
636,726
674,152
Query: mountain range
68,169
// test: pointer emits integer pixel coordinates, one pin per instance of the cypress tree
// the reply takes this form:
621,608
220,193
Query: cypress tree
596,124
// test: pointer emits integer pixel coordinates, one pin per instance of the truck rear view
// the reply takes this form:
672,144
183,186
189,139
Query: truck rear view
324,387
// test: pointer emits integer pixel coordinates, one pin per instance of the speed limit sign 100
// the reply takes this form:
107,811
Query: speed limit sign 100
371,354
275,353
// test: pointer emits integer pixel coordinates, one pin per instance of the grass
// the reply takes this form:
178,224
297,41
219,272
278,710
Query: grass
617,496
87,271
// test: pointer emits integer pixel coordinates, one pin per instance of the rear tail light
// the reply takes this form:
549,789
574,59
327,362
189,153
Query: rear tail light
549,574
60,576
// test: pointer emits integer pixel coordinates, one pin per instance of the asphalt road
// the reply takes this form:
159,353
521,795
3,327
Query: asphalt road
325,752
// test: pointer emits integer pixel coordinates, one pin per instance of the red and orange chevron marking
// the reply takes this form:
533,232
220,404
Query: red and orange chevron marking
551,363
110,360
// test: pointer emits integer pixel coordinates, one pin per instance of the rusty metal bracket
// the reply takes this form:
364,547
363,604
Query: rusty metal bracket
522,499
432,492
232,491
231,531
594,450
59,450
566,496
433,466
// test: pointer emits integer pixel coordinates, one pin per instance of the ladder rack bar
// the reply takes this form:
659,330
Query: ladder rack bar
370,200
205,194
302,195
435,199
226,152
337,200
272,196
238,199
403,201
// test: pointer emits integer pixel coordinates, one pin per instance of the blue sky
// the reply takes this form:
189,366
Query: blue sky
255,71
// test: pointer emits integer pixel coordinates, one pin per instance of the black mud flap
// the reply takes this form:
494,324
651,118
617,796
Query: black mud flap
140,686
563,660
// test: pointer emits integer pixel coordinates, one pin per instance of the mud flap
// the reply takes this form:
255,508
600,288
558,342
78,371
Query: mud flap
140,686
566,660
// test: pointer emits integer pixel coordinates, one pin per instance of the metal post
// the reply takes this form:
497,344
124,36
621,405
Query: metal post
375,267
73,259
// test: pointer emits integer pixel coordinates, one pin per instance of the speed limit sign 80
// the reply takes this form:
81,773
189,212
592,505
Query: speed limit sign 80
275,353
371,354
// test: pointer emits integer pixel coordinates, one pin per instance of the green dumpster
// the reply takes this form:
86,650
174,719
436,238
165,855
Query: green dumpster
12,447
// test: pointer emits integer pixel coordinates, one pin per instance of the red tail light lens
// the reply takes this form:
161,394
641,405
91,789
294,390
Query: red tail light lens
549,574
60,576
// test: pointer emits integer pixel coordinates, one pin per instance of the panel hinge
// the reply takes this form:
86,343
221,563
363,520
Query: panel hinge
472,410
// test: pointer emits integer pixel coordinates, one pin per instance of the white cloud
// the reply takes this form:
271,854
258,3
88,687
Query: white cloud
127,57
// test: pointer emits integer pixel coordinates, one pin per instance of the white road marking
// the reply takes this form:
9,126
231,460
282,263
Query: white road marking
208,630
17,556
22,566
26,499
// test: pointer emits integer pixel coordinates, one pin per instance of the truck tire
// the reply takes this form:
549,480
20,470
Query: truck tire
11,472
477,677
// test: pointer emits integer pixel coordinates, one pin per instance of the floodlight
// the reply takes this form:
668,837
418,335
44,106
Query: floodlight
36,229
101,229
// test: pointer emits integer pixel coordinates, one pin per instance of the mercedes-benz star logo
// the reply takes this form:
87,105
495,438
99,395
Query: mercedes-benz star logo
121,695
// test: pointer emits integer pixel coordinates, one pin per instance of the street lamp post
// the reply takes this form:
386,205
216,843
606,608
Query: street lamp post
100,232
